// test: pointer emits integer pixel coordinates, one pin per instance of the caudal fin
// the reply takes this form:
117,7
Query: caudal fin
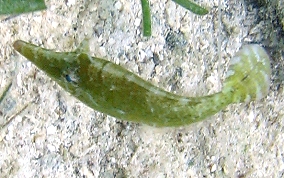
248,77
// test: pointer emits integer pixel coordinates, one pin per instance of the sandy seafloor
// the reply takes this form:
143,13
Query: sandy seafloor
58,136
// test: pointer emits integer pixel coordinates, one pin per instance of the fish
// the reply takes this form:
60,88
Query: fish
111,89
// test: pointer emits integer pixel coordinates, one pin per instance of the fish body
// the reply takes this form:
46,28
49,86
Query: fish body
113,90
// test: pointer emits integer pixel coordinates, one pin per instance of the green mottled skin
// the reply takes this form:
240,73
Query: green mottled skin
111,89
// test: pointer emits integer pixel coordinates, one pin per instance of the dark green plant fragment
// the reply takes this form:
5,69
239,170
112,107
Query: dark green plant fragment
20,6
146,18
5,92
195,8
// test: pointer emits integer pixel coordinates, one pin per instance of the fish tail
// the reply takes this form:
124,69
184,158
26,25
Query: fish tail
248,77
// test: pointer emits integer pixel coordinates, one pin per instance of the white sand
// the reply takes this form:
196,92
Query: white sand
58,136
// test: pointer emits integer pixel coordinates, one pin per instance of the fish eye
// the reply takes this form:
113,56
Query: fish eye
71,78
68,78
